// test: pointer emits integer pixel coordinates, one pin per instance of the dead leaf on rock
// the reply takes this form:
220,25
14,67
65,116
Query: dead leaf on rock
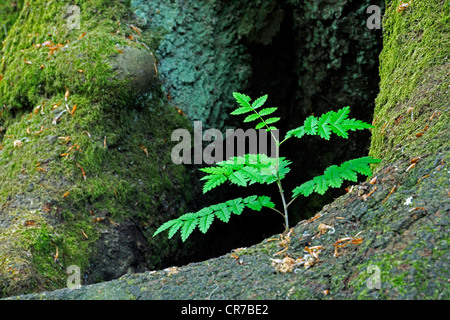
172,270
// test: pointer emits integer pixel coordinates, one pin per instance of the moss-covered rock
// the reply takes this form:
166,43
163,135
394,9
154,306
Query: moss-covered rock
411,114
85,166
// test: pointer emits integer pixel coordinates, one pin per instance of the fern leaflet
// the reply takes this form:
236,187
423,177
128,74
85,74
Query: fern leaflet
333,121
259,102
267,111
242,99
334,176
203,219
245,170
252,117
246,107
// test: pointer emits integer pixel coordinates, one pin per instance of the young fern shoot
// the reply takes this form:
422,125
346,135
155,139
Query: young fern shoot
259,168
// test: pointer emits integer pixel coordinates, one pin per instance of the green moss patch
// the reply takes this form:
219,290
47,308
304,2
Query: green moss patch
411,110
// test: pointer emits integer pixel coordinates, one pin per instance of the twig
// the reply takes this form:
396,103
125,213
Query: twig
209,298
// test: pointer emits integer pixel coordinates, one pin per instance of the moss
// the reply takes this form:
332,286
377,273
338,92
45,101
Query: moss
88,167
415,57
51,248
411,120
401,272
9,11
40,72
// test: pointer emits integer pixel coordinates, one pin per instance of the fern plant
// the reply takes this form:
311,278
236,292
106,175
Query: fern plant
259,168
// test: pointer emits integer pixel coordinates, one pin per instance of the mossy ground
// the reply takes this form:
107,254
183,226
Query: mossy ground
106,163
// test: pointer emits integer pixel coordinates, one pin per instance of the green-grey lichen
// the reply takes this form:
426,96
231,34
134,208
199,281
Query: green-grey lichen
202,59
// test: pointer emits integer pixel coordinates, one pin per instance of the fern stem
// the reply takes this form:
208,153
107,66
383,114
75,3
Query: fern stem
286,218
280,187
276,210
282,141
290,202
267,126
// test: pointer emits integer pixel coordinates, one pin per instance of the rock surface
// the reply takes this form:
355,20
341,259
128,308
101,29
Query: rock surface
407,248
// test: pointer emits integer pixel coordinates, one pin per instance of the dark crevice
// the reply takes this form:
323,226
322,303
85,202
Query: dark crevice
275,72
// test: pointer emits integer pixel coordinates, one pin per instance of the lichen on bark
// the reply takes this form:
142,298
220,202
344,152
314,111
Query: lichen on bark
203,57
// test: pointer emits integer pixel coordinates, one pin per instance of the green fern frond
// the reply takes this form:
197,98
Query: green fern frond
236,206
305,189
260,125
203,219
241,110
242,99
222,212
278,170
259,102
272,120
334,176
311,125
247,107
175,228
267,111
259,168
257,203
361,165
252,117
167,225
246,170
213,181
321,183
333,121
297,132
189,224
205,222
